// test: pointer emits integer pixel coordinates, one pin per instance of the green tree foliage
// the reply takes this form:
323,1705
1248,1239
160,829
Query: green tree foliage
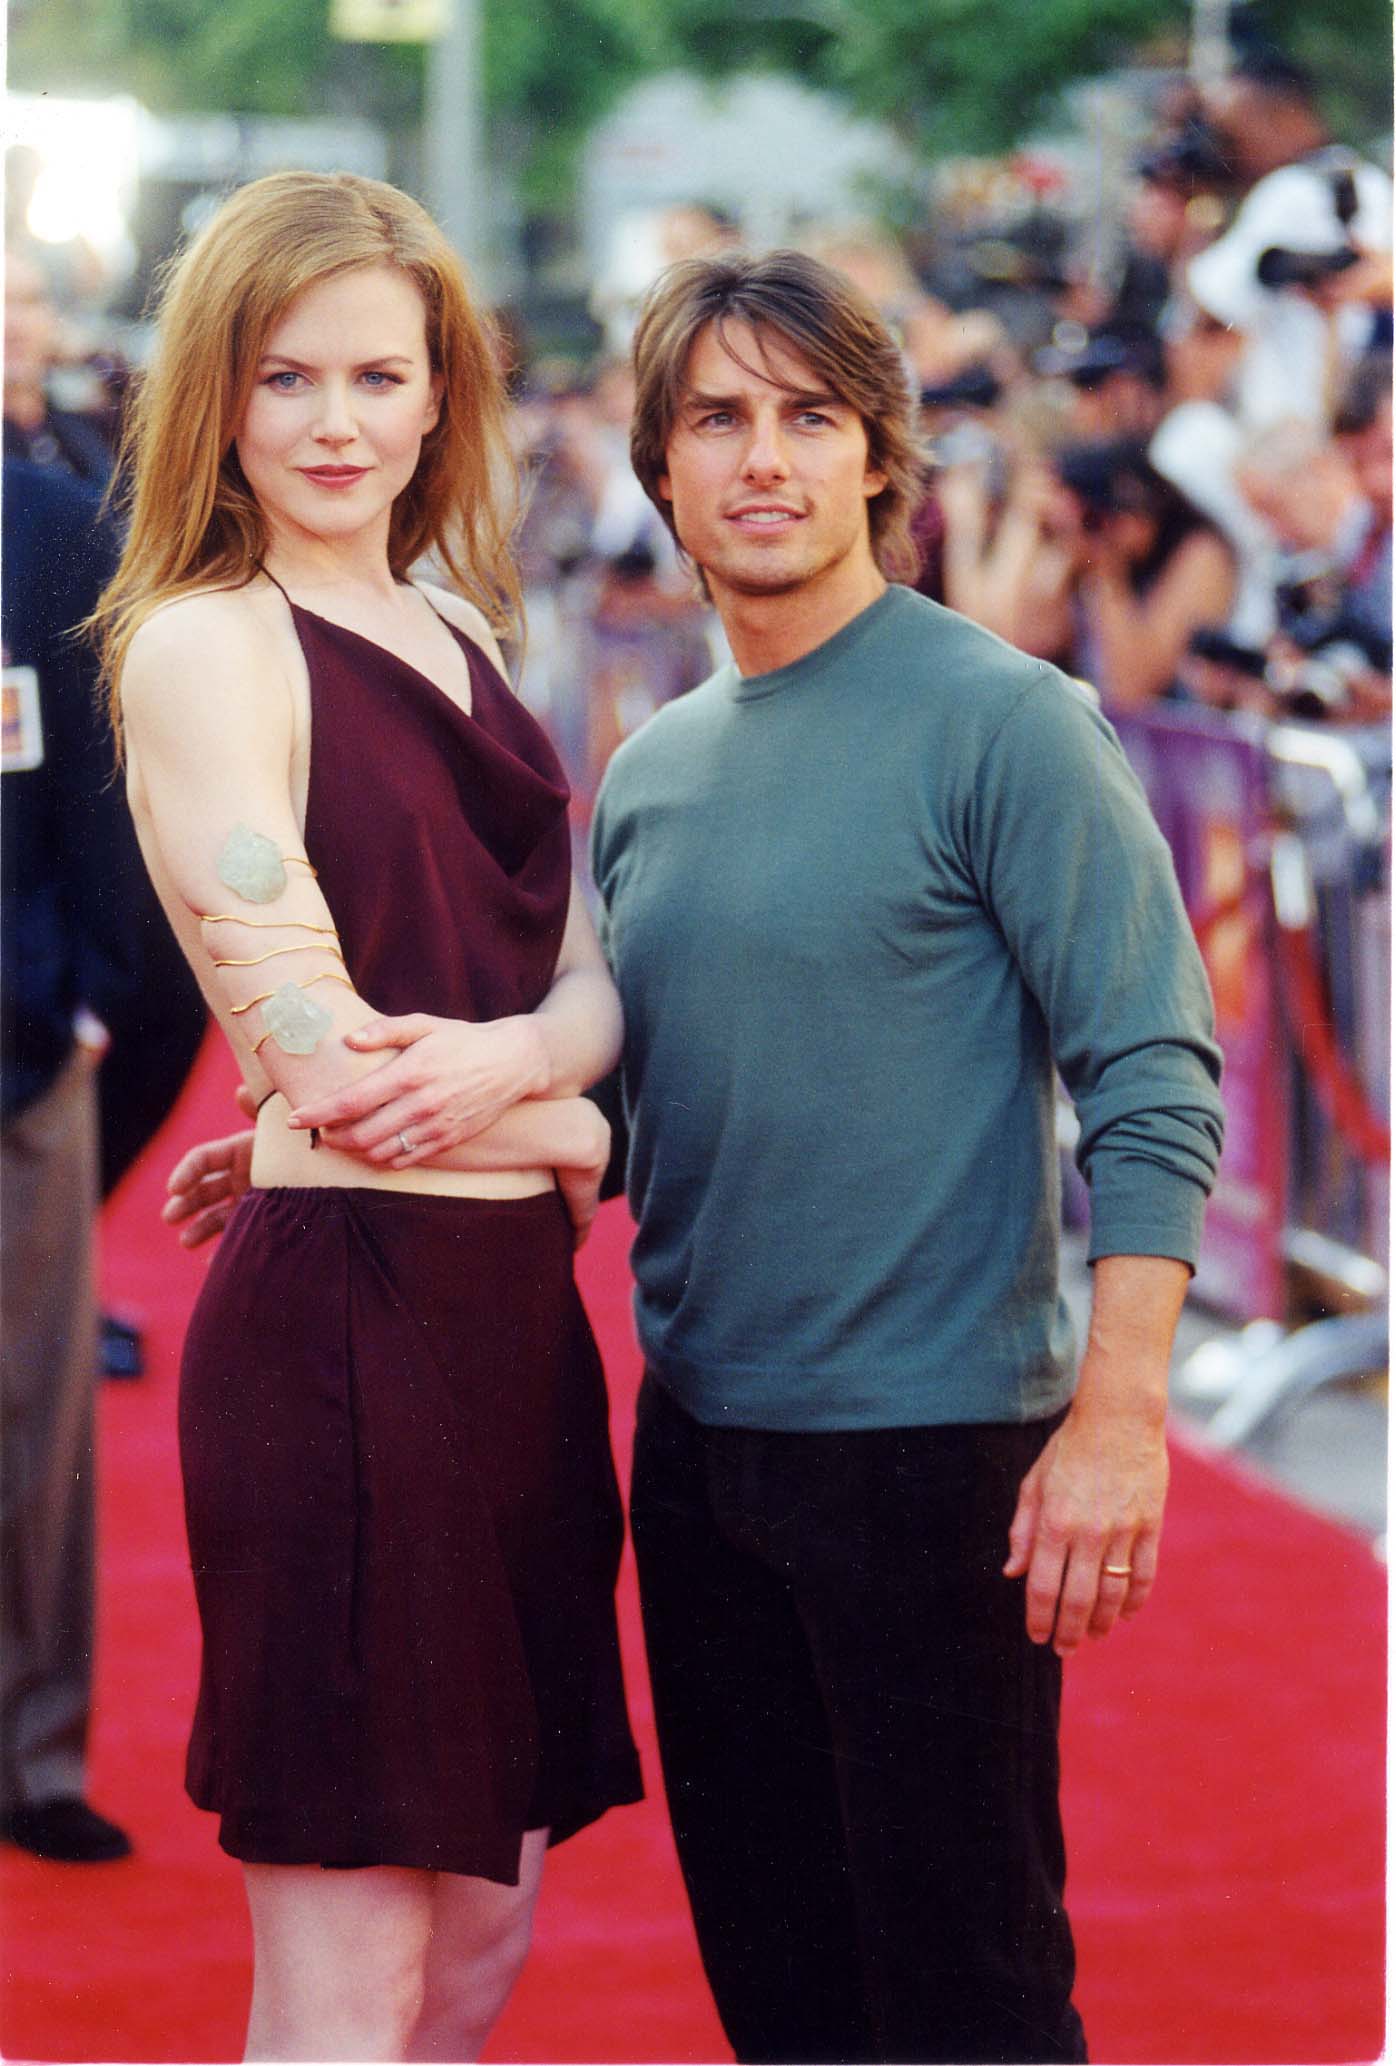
250,57
554,67
950,75
551,66
978,75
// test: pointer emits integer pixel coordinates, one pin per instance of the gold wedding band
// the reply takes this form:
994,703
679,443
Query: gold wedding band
1117,1570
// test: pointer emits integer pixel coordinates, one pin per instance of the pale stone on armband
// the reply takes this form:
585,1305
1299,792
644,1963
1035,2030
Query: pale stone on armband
251,866
295,1022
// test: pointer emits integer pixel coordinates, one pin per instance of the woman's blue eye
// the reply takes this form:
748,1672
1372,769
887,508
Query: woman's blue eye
286,381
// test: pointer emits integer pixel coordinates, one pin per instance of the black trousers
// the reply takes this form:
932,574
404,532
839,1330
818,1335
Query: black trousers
859,1742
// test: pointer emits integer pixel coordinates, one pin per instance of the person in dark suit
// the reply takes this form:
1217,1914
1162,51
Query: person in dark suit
71,956
155,1036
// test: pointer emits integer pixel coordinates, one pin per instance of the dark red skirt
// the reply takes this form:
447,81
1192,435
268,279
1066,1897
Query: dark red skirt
405,1530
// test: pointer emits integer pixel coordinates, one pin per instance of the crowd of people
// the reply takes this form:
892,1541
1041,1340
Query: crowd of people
1185,490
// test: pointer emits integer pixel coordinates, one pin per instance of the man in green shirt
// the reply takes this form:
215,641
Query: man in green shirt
864,890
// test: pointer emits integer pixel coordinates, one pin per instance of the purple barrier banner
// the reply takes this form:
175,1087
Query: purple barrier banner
1206,778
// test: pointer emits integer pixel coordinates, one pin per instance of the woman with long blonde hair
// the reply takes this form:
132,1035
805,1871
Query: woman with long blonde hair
402,1511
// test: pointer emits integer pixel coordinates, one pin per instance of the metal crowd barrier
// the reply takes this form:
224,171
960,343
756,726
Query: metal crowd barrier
1281,837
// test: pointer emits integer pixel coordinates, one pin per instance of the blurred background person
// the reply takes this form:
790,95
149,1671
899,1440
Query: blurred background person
1330,652
1362,427
71,961
67,440
1116,377
1305,266
1173,210
1148,570
155,1030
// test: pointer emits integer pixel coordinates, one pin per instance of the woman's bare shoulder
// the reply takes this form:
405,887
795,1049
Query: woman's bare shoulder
196,624
211,627
467,618
222,641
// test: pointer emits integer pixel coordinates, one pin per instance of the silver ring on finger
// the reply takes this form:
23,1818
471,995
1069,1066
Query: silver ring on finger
1117,1571
404,1144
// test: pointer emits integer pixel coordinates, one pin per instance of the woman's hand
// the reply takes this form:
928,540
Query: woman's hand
205,1185
451,1079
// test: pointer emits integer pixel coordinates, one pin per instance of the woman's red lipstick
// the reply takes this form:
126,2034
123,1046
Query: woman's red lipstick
334,476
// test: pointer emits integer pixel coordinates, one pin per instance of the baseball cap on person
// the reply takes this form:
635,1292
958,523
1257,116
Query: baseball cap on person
1086,357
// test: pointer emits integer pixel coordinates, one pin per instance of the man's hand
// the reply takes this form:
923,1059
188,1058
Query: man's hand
1090,1511
1369,282
450,1081
205,1185
580,1182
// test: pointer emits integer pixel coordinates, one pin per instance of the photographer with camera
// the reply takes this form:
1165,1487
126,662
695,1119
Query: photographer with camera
1304,270
1150,570
1363,430
994,491
1327,502
1091,559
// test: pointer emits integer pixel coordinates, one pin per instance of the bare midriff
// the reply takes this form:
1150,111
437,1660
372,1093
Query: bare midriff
284,1158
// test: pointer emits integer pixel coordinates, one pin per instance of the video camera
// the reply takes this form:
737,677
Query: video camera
1304,682
1279,266
1330,648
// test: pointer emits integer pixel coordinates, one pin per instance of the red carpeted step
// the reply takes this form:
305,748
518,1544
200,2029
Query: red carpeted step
1224,1777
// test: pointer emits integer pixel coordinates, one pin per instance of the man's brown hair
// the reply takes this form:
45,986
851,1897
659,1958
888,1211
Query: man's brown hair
820,315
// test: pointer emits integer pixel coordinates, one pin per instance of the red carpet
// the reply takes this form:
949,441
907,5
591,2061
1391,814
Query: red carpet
1224,1778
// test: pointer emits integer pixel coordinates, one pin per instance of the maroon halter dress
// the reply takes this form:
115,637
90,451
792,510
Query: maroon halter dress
403,1516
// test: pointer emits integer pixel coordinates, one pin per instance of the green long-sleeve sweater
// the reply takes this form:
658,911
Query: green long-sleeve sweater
856,908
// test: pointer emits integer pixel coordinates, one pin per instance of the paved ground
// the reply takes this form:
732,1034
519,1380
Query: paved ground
1329,1450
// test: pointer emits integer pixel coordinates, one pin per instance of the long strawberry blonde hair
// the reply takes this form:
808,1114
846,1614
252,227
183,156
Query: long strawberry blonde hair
192,521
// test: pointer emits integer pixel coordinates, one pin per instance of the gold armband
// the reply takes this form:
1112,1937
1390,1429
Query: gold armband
271,925
331,946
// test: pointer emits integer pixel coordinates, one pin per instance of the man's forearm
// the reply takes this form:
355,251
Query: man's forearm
1086,1530
1135,1303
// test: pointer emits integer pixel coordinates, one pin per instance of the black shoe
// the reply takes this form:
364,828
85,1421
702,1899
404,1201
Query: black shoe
121,1348
65,1828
